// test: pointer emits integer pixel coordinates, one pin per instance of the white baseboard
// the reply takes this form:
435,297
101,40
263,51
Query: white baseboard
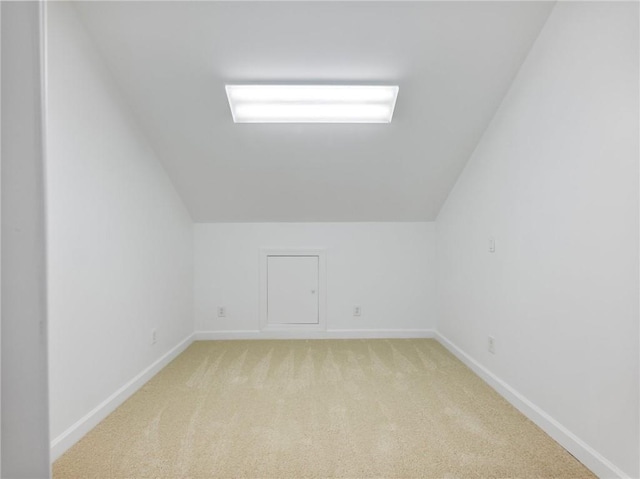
330,334
73,434
583,452
572,443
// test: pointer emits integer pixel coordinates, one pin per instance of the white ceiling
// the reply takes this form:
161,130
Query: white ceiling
453,61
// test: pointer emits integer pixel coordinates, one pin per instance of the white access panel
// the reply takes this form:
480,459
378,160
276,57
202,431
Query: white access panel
292,290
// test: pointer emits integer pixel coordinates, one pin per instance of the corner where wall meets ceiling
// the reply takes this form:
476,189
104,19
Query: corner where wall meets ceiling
453,61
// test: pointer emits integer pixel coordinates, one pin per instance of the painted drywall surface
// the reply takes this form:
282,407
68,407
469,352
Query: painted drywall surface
385,268
555,181
120,240
453,61
25,428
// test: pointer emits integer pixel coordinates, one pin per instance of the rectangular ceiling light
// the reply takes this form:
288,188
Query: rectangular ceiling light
311,103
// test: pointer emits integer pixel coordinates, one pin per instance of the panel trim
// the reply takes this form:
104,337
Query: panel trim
572,443
306,334
264,254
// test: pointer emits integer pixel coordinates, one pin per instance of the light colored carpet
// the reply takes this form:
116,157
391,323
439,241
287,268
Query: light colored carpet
327,408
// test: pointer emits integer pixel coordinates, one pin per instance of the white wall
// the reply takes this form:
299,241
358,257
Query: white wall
25,435
386,268
120,240
555,181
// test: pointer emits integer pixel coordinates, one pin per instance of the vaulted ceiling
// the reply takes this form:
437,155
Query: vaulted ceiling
453,61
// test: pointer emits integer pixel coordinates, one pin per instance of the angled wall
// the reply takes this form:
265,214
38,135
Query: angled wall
120,240
555,181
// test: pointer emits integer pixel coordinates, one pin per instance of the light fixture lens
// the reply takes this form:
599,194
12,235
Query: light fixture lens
311,103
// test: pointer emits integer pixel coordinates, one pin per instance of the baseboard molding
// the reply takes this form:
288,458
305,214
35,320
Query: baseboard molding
73,434
582,451
329,334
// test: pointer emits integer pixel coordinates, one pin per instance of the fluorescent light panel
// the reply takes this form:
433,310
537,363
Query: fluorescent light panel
311,103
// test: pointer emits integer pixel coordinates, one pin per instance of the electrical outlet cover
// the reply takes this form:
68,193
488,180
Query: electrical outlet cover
491,345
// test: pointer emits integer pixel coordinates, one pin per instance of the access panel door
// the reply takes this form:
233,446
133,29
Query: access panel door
292,290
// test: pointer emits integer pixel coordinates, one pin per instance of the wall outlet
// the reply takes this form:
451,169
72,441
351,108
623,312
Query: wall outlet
491,345
357,311
492,245
222,312
154,336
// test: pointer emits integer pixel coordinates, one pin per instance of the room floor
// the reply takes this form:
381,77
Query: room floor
325,408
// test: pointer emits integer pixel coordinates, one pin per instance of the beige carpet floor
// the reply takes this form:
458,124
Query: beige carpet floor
317,409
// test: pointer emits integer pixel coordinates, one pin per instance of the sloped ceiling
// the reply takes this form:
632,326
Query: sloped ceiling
453,61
